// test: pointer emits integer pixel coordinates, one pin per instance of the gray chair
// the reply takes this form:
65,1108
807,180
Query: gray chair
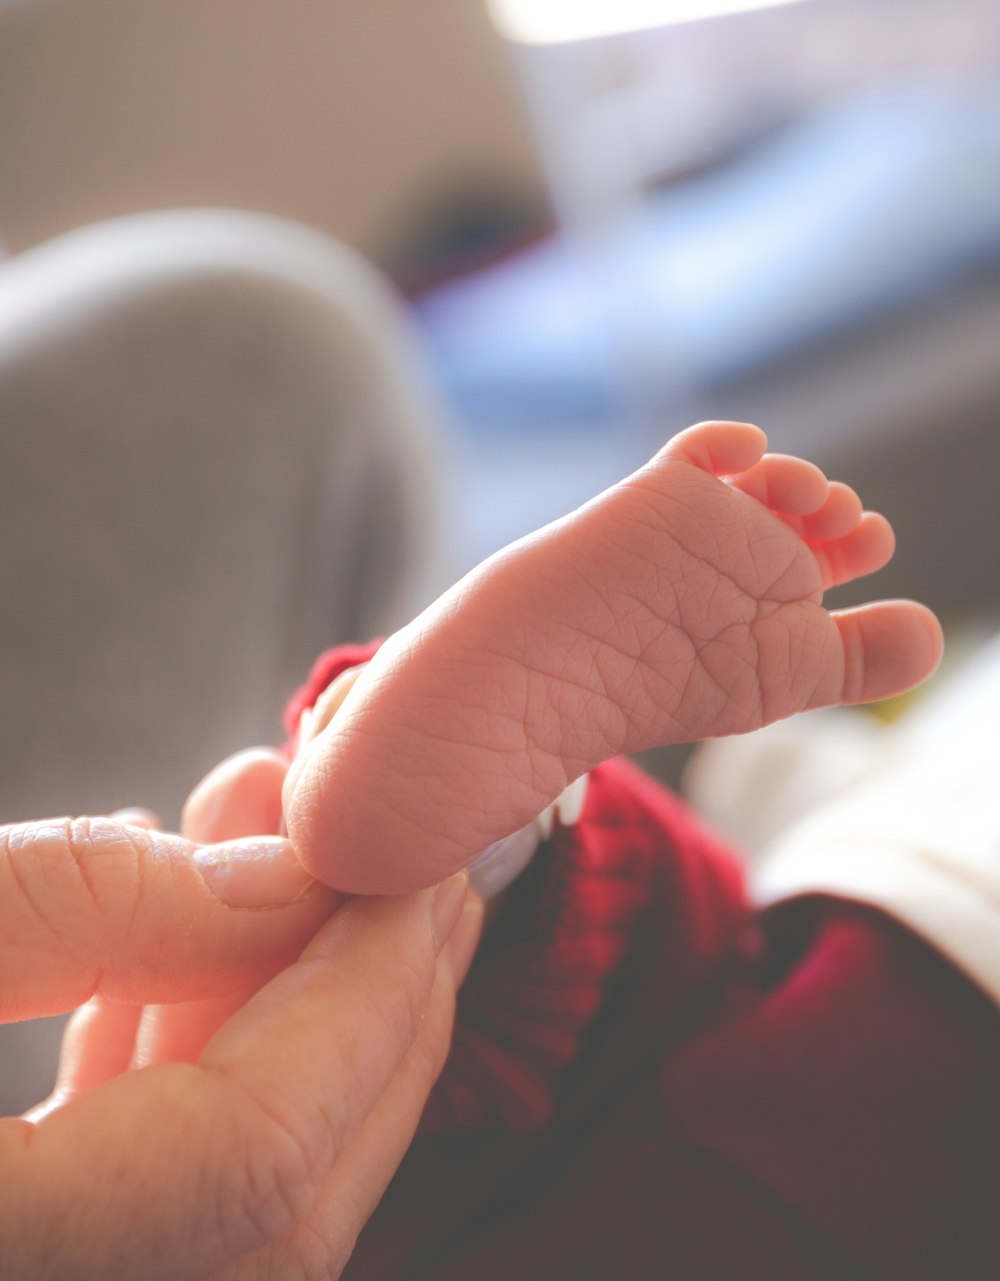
218,457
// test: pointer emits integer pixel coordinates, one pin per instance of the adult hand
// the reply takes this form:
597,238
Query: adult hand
257,1144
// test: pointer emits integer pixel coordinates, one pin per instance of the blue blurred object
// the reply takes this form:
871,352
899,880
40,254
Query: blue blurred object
858,211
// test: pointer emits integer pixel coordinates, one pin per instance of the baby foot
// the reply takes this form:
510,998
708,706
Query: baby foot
683,603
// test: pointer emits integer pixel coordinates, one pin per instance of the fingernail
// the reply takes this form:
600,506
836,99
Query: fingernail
447,907
260,872
461,947
133,816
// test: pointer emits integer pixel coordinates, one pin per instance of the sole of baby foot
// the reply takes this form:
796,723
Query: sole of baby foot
683,603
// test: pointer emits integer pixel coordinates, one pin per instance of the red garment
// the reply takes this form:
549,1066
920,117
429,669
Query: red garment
651,1078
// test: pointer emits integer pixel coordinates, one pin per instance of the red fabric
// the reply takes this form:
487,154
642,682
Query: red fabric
649,1079
330,664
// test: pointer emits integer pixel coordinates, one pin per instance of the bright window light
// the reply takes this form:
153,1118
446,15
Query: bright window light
560,21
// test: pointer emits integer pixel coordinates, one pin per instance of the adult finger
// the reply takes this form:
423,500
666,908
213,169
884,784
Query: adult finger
318,1247
137,816
97,1045
240,797
94,907
176,1170
178,1033
104,1039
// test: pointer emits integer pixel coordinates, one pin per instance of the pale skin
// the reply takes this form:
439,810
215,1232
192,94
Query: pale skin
683,603
246,1135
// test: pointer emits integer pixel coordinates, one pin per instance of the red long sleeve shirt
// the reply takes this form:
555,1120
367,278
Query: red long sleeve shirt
651,1077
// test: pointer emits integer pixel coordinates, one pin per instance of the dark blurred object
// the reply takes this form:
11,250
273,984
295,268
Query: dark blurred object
468,229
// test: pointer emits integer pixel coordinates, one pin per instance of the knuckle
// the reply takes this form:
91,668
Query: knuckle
74,875
107,858
273,1184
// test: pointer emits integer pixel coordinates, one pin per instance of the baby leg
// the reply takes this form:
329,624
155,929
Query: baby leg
683,603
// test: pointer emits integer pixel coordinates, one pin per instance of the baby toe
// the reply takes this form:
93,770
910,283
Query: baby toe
837,517
787,485
865,549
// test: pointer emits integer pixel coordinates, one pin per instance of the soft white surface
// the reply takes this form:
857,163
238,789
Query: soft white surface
921,839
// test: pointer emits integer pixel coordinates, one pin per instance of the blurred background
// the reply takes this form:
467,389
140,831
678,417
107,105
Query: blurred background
601,221
790,214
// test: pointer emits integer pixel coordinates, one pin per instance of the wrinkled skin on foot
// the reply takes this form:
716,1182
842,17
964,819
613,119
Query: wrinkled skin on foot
683,603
